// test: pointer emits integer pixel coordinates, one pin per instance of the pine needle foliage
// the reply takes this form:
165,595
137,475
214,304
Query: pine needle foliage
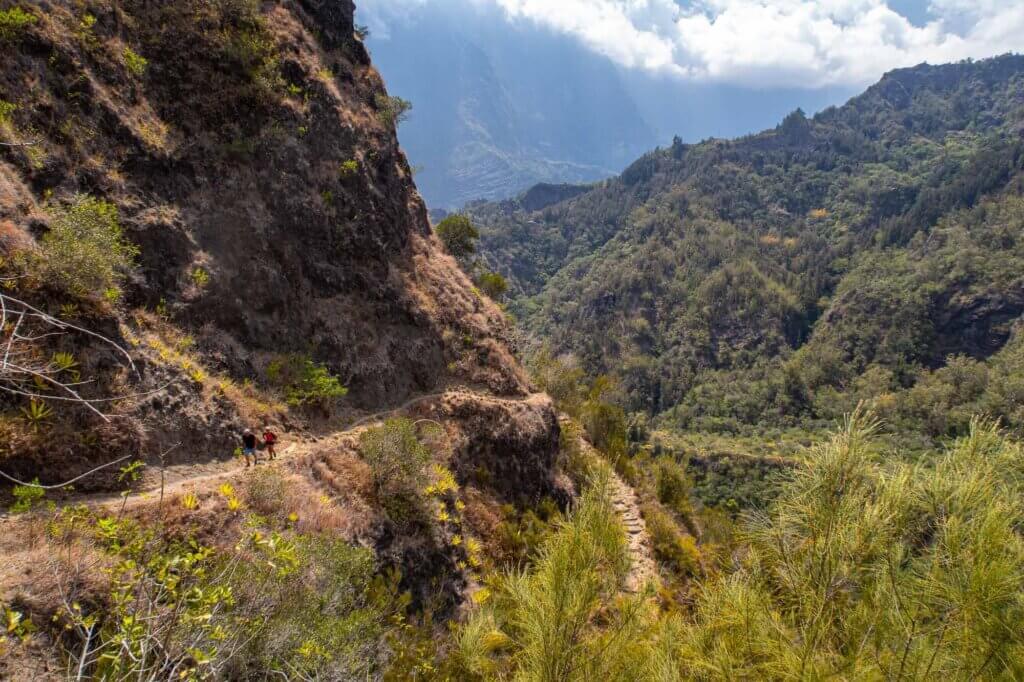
865,572
566,619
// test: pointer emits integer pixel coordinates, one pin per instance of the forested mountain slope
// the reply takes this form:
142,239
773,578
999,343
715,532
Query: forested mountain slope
871,250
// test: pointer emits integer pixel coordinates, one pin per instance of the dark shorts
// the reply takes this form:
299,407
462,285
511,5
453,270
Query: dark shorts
249,451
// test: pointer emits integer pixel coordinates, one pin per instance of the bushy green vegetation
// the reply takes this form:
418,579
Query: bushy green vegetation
13,23
662,483
84,252
865,571
678,551
302,606
559,621
348,169
459,235
305,382
859,570
134,62
398,460
775,281
492,284
522,532
330,618
392,110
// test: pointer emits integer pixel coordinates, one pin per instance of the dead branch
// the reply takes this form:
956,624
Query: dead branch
65,483
33,143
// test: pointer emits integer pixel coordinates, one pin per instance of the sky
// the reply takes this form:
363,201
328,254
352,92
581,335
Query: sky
809,44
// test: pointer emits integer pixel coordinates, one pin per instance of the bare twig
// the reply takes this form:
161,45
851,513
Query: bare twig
65,483
33,143
64,325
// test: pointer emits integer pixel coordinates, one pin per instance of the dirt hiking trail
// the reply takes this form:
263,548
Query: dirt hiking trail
175,479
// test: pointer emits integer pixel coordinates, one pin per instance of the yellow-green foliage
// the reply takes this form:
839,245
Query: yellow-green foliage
200,278
329,619
673,546
296,606
134,62
36,414
563,381
392,110
522,533
565,619
492,284
459,235
398,460
604,421
13,23
305,382
674,488
6,110
867,572
84,252
26,497
348,169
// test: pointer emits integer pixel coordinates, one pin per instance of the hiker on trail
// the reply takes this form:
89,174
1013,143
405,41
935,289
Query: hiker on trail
249,447
269,439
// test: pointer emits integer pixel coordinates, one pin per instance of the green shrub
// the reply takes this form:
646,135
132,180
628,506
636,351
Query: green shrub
328,620
563,381
84,252
13,23
6,110
562,619
266,491
392,110
26,497
298,606
349,169
674,489
398,460
522,533
134,62
493,284
859,570
673,547
200,277
604,421
305,382
458,235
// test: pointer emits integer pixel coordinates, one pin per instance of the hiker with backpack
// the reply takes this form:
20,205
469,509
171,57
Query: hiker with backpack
269,440
249,447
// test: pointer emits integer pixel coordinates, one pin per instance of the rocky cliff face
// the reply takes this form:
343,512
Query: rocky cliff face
252,157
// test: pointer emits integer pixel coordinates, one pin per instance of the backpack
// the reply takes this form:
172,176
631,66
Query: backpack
270,437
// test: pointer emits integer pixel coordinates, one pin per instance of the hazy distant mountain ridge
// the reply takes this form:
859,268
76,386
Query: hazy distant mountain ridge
498,108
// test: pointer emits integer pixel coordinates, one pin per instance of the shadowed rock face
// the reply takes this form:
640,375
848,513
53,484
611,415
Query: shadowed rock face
335,18
222,167
252,149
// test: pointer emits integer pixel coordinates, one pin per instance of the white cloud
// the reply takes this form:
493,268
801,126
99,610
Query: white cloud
766,43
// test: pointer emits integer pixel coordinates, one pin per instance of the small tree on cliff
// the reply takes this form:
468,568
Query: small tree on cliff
459,236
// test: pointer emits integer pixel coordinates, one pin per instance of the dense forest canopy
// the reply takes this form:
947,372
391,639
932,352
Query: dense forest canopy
871,252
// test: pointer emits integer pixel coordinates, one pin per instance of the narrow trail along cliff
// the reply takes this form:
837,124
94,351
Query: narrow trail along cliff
643,568
176,478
